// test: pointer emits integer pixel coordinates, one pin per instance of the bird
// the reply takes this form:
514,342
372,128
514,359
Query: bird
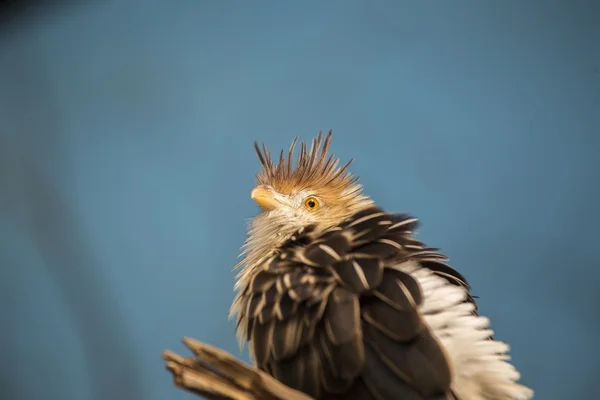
337,299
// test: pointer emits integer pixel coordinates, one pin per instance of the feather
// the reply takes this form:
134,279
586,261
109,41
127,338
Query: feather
286,338
353,306
343,302
383,384
359,274
314,168
420,361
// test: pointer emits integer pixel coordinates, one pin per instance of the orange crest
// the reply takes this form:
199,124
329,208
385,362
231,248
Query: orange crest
315,170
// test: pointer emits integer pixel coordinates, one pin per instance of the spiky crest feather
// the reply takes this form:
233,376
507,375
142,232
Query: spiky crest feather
478,365
314,168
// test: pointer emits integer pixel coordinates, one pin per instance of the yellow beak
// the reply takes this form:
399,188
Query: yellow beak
264,197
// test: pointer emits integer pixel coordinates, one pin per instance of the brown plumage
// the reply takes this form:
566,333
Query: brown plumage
337,299
314,169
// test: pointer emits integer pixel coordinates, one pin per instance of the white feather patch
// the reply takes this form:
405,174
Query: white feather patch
480,366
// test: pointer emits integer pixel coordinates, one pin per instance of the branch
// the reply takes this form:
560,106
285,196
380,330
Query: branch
217,375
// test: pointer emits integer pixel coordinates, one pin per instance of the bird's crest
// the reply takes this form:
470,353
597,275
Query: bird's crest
314,169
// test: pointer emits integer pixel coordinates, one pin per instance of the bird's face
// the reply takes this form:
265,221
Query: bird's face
297,207
314,191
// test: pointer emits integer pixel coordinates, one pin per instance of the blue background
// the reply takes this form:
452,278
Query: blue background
126,163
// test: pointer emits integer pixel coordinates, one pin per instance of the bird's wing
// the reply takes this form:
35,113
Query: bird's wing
331,312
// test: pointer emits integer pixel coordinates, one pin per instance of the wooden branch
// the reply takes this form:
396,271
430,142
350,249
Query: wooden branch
217,375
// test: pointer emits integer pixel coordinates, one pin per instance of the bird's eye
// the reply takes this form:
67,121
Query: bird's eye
311,203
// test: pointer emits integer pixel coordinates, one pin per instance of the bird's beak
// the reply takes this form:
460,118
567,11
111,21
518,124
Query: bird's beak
263,195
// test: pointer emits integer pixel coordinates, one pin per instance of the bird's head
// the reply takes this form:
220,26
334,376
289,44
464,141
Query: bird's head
313,191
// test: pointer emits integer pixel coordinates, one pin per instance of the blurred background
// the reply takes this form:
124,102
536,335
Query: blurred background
126,163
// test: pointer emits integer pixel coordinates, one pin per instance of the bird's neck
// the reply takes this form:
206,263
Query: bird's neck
264,237
267,233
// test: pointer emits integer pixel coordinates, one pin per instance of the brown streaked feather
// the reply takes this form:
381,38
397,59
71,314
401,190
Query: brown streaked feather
351,316
383,384
359,274
418,361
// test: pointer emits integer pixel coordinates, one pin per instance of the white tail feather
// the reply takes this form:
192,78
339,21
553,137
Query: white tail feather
481,370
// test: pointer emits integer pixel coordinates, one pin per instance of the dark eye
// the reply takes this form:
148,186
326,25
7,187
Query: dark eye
311,203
